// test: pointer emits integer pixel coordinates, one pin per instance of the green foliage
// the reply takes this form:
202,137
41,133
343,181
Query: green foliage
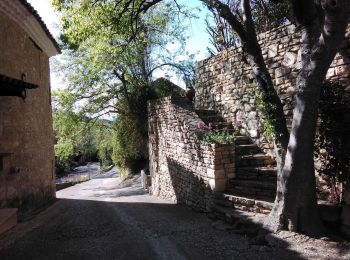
103,139
267,109
332,140
78,138
218,137
129,145
112,50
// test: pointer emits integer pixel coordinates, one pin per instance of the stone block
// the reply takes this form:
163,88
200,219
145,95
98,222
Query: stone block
231,175
211,173
254,133
282,71
220,174
290,59
273,51
217,184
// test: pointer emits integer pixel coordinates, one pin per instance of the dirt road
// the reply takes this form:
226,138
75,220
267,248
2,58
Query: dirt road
108,219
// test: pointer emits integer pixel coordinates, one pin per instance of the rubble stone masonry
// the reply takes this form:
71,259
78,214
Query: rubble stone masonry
184,170
26,135
226,84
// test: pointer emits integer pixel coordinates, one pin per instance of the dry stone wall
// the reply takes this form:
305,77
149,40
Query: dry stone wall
184,170
226,84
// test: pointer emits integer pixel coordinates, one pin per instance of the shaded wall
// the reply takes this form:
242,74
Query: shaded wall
182,169
25,126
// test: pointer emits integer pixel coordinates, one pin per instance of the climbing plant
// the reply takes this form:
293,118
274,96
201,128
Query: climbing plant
332,140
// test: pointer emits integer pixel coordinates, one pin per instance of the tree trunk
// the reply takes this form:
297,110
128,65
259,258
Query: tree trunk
272,105
295,206
323,26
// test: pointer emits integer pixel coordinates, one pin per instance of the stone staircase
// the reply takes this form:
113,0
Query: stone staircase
254,187
210,116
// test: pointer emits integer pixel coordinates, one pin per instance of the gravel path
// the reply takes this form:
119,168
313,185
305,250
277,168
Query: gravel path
106,218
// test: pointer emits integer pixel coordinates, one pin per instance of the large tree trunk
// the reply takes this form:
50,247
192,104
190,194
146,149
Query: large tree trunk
295,206
323,25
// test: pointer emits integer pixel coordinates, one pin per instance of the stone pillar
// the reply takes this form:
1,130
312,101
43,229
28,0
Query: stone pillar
222,166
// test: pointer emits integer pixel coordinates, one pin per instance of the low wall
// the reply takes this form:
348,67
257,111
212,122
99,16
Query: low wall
182,169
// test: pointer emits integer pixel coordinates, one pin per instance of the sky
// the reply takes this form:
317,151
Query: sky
197,42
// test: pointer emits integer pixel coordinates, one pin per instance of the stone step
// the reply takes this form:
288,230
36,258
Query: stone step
242,139
8,219
256,173
230,202
213,119
223,202
268,185
250,192
230,215
247,149
209,116
266,203
204,112
255,160
222,125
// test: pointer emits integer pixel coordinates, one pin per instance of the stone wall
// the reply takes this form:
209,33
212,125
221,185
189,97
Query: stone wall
26,133
226,84
182,169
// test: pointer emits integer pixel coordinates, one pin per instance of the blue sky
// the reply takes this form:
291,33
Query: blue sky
197,43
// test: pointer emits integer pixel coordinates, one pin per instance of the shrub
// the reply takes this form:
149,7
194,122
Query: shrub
129,146
218,137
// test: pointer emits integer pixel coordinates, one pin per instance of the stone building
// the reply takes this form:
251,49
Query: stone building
26,134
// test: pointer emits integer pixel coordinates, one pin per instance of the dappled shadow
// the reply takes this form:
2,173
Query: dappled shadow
195,193
85,229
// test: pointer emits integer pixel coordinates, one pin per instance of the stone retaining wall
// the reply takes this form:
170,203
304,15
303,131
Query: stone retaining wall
226,84
182,169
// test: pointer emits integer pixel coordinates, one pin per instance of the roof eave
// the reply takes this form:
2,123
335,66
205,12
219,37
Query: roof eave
27,17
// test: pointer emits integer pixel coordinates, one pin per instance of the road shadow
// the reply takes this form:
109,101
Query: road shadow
86,229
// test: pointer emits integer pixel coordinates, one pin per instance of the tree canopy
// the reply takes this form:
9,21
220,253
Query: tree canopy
322,24
111,61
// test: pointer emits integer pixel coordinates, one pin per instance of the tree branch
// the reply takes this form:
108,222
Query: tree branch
225,12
